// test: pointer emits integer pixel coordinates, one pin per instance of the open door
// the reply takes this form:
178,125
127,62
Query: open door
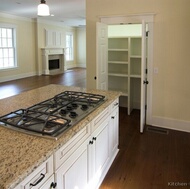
144,81
102,56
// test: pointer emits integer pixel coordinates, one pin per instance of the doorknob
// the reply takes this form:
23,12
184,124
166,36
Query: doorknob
145,82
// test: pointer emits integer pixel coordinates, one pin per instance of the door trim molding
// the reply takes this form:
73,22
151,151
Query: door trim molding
138,18
126,19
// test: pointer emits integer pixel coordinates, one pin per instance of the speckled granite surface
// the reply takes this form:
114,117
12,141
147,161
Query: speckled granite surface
20,153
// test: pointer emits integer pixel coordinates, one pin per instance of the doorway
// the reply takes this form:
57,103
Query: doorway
126,60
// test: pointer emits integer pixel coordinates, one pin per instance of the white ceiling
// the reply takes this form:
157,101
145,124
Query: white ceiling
68,12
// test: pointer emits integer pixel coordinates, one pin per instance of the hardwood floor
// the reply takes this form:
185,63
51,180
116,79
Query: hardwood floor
152,160
72,77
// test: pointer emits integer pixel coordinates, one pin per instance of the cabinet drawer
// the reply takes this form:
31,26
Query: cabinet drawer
114,105
70,147
39,176
99,119
49,184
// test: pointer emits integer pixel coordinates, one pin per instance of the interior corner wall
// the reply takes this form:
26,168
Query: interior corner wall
81,47
170,94
73,63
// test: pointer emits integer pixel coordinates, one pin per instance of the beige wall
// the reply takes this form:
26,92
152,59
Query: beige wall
171,91
26,57
81,47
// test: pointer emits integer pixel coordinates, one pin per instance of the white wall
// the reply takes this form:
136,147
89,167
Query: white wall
81,47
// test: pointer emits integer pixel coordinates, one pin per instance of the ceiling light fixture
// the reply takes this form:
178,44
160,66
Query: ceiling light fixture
43,9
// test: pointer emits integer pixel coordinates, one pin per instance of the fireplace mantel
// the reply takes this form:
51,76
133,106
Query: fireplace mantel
50,53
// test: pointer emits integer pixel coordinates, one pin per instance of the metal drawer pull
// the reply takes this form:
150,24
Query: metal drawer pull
113,117
53,185
116,104
94,138
40,179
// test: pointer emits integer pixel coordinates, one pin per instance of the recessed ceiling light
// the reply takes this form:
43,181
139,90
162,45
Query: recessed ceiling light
52,15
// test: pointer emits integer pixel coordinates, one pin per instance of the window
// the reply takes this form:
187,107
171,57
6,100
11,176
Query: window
7,48
69,46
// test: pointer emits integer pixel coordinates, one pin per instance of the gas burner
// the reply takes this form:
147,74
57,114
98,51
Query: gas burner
49,128
63,112
74,105
84,107
73,114
69,107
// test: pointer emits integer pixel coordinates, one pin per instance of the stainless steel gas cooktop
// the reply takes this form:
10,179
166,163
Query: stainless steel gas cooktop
52,117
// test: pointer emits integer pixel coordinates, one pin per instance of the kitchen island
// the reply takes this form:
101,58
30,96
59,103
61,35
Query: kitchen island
22,154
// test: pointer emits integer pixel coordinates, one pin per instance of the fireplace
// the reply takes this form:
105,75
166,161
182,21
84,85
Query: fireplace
53,61
54,64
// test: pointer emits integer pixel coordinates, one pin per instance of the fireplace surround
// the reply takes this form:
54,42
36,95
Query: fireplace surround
53,61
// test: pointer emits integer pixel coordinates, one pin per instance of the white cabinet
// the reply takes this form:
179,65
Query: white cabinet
114,129
71,146
84,160
124,68
101,147
98,149
83,169
73,173
71,169
39,178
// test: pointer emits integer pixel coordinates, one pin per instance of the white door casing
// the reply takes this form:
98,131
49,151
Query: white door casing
101,56
143,78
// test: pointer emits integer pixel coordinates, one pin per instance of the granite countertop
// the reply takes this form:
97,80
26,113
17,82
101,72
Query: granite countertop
20,153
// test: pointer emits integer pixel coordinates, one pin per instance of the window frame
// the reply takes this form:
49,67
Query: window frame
14,46
71,53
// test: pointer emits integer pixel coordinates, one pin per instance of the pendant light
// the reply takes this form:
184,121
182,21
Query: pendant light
43,9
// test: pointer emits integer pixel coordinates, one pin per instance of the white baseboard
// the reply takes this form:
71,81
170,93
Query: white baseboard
19,76
169,123
81,65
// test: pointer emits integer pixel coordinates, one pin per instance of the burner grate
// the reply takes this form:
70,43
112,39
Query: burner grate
53,116
35,121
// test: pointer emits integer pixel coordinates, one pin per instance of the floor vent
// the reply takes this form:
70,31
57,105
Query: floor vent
157,130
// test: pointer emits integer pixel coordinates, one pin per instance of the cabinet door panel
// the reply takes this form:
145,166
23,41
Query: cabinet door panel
113,132
76,176
101,147
73,173
70,147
